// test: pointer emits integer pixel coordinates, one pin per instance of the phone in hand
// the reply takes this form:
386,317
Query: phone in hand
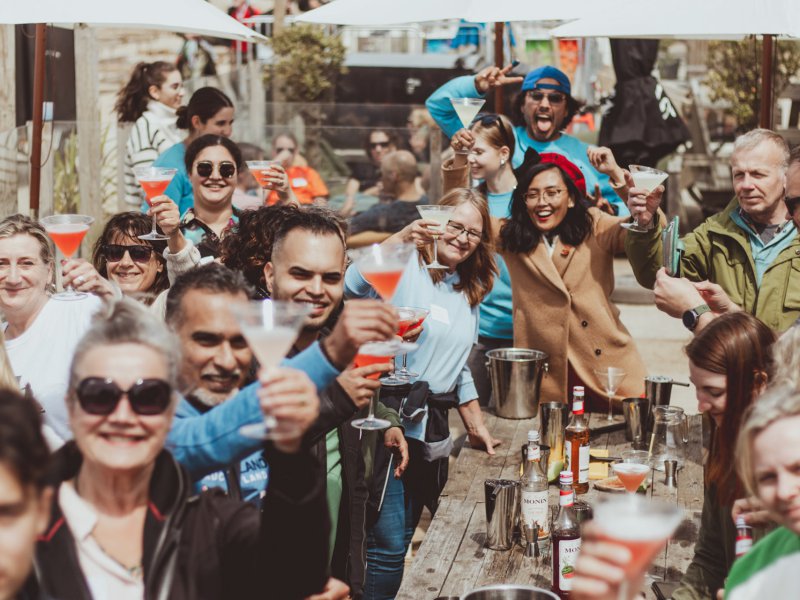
672,248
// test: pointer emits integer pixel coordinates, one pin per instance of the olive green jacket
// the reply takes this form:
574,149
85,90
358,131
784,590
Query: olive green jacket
719,251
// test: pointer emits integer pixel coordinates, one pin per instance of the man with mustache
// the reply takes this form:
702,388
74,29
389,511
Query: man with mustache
542,110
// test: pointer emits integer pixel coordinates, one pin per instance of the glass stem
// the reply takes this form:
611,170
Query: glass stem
372,402
154,230
610,408
435,253
405,357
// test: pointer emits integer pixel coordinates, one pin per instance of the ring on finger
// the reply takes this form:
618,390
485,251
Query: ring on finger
80,280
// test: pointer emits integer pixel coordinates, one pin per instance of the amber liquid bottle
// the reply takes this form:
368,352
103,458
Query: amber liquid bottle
576,443
566,539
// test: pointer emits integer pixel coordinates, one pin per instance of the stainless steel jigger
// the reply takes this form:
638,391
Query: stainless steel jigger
671,472
531,540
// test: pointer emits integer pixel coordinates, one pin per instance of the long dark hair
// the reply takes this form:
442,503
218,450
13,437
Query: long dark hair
204,103
738,346
520,235
133,98
477,272
131,225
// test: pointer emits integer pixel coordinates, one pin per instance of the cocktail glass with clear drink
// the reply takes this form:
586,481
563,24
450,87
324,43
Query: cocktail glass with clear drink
270,328
440,214
154,182
610,378
647,178
466,110
67,233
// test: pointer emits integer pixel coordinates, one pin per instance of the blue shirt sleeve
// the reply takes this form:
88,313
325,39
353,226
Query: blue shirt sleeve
438,104
211,441
355,286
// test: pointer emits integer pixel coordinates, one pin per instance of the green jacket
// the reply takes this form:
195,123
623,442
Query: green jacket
719,251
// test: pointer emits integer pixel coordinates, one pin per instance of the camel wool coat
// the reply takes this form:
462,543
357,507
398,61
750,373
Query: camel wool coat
562,306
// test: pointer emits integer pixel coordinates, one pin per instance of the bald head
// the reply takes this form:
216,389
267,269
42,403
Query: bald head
402,163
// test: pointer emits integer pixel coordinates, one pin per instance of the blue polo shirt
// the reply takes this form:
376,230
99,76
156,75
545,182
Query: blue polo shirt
764,254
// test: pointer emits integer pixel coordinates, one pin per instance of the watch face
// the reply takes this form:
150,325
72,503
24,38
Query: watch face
689,320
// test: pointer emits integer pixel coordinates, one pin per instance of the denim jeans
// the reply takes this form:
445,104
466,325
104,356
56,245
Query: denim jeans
388,539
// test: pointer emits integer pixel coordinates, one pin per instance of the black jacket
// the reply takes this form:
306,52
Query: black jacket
209,546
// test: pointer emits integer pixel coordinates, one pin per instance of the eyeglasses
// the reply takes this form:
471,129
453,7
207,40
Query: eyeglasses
138,253
279,150
205,167
375,145
552,97
456,229
791,203
549,194
98,396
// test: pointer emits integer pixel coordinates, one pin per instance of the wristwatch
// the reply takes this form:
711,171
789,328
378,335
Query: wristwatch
690,317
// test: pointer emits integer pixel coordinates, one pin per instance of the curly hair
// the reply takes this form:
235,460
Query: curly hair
518,116
131,225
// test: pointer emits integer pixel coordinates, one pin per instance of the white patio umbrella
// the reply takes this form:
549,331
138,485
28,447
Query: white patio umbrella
706,19
179,16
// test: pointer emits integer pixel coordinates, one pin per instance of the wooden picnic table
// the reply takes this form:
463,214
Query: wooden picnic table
453,558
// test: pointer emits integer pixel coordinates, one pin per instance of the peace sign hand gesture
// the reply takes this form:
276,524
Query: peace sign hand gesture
494,76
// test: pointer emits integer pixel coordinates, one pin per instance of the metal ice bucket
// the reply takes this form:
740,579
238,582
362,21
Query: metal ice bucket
516,375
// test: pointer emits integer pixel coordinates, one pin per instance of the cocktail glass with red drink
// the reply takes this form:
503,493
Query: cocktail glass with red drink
410,317
67,233
374,353
639,523
633,470
154,182
270,328
261,170
382,265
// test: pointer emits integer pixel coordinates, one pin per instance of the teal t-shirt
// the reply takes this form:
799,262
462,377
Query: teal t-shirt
495,317
180,188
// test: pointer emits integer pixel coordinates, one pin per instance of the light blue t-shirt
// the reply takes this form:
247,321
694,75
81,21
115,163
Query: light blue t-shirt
442,111
447,336
180,188
496,319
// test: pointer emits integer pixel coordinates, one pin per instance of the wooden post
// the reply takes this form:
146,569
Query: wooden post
257,102
279,114
435,186
90,151
8,138
36,135
498,62
767,65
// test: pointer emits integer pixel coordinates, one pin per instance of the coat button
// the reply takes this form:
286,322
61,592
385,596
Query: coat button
598,352
584,323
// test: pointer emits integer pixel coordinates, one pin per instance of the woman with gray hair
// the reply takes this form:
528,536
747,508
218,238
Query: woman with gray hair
768,452
125,522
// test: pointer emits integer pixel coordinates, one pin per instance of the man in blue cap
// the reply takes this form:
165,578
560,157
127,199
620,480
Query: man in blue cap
542,109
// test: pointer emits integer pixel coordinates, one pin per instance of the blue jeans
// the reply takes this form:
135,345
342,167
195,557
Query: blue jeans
388,539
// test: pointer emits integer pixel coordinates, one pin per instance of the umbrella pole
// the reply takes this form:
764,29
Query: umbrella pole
498,62
767,66
38,100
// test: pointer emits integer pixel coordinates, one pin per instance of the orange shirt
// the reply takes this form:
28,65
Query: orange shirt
305,183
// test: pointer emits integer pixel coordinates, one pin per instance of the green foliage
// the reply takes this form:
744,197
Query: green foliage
66,181
734,74
307,62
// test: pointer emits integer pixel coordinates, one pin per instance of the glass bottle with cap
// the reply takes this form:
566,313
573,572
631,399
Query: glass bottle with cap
534,505
566,538
576,443
744,536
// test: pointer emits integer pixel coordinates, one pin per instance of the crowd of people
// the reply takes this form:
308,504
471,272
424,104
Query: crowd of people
123,470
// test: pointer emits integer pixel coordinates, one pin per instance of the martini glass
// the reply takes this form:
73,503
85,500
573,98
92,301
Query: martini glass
382,266
374,353
633,469
610,378
440,214
640,524
270,328
409,318
649,179
466,110
260,169
154,182
67,233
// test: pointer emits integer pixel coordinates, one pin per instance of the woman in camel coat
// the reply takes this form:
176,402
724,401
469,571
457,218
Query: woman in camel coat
560,257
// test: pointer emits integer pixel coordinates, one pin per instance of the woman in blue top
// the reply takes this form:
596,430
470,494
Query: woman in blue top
209,111
452,295
485,149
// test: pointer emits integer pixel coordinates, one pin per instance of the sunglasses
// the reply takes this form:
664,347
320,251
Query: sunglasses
489,120
138,253
205,168
279,150
791,203
98,396
552,97
374,145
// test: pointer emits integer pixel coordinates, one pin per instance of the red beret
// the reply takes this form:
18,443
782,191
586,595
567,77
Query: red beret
569,167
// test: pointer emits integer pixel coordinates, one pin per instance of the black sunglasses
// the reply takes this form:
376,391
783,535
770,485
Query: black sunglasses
279,150
374,145
552,97
98,396
226,169
791,203
491,119
139,253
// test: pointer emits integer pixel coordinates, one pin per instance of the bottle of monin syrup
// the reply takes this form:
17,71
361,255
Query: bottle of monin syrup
576,443
533,486
566,536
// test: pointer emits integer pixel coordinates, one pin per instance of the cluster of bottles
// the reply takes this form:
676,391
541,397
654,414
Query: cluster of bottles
562,540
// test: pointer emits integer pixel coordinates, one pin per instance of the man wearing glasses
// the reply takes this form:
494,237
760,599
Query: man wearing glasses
542,110
747,257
